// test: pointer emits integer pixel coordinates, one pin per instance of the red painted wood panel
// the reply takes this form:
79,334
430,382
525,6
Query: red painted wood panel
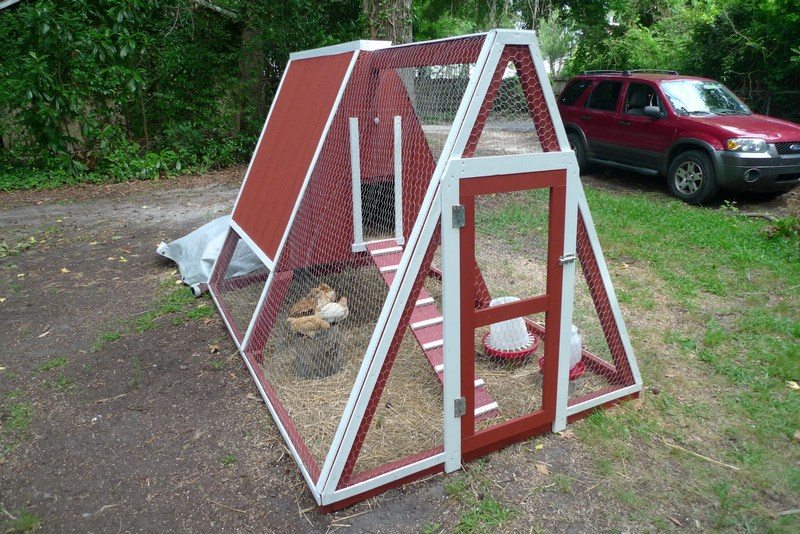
290,140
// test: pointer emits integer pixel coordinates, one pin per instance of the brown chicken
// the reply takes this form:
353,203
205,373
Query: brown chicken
304,306
307,326
323,294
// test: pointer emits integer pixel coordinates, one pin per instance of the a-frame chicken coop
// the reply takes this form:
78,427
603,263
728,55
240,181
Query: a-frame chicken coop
420,219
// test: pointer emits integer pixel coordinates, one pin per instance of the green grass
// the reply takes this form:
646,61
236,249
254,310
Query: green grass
52,364
481,512
62,384
485,516
177,303
15,418
14,249
217,365
229,460
23,521
736,282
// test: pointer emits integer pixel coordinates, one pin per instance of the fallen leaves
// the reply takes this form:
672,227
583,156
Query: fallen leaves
542,469
64,270
46,333
2,300
794,386
539,446
213,348
797,435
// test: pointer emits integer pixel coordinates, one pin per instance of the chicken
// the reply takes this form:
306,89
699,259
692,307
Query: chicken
304,306
323,294
308,326
334,312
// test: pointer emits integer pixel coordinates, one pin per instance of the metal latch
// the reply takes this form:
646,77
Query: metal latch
567,258
460,406
459,216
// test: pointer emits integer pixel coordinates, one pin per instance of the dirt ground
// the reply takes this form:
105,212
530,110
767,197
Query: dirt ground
149,434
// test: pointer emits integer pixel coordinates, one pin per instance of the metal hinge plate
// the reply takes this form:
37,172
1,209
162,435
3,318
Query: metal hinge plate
459,216
567,258
460,406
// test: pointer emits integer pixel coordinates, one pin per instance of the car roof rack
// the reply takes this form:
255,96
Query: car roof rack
629,72
654,71
604,72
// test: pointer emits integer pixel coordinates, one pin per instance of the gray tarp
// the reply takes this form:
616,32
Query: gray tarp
196,252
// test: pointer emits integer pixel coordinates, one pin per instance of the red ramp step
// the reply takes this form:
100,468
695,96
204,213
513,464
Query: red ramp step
426,324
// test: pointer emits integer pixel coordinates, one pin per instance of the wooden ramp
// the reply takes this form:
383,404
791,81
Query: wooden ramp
426,323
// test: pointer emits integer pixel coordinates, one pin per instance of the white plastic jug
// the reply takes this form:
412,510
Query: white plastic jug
508,335
575,348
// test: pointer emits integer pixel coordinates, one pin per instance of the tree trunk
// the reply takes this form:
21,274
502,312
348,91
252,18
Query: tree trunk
389,19
251,77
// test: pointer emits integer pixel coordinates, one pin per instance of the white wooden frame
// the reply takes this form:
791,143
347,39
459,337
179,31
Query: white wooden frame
441,195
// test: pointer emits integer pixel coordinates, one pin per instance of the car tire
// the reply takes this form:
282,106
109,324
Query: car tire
691,178
576,145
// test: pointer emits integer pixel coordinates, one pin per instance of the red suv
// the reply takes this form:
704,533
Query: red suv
692,130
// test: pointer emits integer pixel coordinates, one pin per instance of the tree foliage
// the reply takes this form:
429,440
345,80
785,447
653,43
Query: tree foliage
114,89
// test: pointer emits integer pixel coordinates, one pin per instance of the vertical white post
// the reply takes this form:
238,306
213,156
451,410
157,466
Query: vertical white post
398,179
355,166
451,311
567,292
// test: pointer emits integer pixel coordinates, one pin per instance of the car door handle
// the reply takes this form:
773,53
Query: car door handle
624,123
586,117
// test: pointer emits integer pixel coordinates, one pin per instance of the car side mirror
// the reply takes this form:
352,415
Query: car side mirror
654,112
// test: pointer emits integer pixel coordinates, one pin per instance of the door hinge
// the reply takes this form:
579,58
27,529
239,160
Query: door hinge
460,407
459,216
566,258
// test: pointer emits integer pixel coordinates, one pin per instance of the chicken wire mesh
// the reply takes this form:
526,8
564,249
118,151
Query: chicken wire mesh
602,350
322,308
237,294
510,249
514,118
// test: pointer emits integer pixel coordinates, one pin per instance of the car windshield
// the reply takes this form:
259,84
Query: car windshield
700,97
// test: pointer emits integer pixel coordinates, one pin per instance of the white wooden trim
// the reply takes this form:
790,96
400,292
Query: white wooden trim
433,345
567,294
602,399
387,250
479,382
494,165
383,479
424,302
250,243
427,322
398,178
362,247
340,48
439,368
355,166
419,240
515,37
480,410
389,268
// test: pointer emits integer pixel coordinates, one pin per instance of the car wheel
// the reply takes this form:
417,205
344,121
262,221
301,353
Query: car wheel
691,178
576,145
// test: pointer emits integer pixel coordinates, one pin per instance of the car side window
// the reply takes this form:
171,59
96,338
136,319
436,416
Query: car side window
605,95
573,92
640,95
